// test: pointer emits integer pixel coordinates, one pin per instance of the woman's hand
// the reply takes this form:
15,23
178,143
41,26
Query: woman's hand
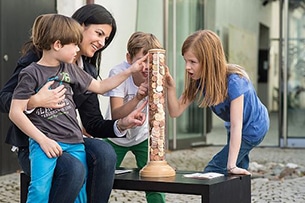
48,98
85,133
135,118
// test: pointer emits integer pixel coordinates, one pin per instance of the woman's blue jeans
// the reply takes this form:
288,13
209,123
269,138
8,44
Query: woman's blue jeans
218,163
101,161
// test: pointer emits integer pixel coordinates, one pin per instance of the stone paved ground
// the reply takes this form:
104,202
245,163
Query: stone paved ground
278,176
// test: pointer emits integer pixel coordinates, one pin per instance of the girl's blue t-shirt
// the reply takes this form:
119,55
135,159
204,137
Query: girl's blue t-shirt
255,114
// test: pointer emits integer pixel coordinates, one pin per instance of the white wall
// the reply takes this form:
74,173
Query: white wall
124,13
67,7
150,18
232,14
237,23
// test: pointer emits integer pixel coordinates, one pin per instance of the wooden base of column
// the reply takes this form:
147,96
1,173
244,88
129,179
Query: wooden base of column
157,169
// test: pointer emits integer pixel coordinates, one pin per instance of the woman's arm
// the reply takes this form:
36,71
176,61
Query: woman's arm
49,146
236,121
135,118
92,118
95,124
8,89
47,97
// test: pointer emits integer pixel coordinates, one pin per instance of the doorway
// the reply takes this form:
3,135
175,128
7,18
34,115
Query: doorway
264,81
17,18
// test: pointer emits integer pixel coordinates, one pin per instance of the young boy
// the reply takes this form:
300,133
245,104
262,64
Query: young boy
126,97
54,131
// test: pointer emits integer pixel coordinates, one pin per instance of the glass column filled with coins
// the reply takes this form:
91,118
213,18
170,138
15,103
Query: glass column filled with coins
157,165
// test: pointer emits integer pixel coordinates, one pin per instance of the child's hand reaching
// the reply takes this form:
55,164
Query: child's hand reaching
142,91
169,81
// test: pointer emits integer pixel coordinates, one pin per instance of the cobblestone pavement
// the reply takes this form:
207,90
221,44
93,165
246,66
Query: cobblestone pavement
277,176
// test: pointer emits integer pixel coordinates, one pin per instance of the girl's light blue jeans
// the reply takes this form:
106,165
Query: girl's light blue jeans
42,170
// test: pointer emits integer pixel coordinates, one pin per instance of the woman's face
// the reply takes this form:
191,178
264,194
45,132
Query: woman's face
94,37
192,65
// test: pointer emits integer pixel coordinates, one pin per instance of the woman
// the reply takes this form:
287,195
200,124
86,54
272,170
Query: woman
99,30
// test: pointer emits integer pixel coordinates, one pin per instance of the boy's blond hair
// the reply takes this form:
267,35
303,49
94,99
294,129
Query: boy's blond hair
49,28
142,41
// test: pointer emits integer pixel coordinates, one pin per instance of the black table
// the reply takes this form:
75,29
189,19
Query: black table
230,189
227,189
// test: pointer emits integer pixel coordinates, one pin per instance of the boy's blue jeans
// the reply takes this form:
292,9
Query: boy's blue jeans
42,170
218,163
69,173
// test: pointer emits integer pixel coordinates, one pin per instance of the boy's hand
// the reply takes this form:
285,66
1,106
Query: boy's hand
50,147
142,91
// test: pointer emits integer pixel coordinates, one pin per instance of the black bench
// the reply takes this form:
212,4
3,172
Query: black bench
227,189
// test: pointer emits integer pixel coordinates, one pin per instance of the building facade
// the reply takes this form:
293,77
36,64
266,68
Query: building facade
264,36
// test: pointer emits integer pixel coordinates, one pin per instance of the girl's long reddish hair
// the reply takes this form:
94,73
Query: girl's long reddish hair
212,88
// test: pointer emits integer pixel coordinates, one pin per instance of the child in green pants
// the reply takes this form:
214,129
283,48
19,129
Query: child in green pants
126,97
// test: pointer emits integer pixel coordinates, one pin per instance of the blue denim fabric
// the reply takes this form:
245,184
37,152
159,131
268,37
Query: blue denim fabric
219,161
101,161
67,168
68,179
42,169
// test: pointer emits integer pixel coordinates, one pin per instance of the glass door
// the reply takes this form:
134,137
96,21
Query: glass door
182,19
293,80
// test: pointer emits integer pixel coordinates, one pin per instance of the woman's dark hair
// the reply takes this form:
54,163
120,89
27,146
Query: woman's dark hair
87,15
96,14
29,47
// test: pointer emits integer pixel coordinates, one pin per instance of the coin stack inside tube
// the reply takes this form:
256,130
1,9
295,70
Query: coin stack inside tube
156,98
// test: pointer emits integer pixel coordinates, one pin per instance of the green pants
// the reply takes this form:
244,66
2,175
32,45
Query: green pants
140,152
